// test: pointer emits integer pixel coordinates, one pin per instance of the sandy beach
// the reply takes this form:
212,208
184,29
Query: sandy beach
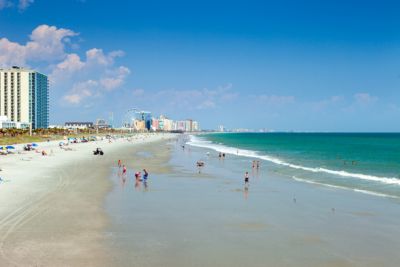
51,207
77,209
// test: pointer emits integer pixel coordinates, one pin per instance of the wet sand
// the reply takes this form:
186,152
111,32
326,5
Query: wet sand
52,209
182,218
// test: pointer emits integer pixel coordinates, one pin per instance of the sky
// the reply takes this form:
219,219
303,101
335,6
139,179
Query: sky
279,65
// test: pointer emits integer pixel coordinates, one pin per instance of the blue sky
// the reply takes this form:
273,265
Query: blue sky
283,65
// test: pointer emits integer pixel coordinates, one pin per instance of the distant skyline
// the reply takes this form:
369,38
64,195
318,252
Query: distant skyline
281,65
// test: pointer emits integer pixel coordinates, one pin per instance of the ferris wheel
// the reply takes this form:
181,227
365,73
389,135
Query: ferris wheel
134,114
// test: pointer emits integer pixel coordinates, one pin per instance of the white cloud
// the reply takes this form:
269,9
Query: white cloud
71,64
5,4
110,83
73,79
103,77
138,92
24,4
11,53
47,44
21,4
275,100
80,91
199,99
365,98
207,104
325,103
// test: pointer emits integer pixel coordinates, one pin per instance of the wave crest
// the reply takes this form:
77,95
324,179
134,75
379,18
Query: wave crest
195,141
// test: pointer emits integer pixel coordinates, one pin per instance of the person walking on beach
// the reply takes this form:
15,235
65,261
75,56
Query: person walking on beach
145,175
246,178
258,164
119,163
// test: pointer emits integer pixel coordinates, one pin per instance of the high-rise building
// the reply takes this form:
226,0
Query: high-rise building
24,96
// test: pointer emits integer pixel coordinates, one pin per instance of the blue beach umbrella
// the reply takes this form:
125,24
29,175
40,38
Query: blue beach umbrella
10,147
34,144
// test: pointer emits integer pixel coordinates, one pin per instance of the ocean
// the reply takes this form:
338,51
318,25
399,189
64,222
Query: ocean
363,162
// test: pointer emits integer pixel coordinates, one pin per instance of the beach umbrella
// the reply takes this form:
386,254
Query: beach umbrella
34,144
10,147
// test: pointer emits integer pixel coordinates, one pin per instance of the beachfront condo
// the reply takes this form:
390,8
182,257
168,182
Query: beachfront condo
24,96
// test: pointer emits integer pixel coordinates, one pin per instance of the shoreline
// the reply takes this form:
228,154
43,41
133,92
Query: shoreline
213,219
52,206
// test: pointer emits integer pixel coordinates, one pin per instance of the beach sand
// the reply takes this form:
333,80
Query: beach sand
75,209
51,207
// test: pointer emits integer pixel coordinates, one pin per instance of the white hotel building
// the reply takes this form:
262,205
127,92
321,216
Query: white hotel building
24,97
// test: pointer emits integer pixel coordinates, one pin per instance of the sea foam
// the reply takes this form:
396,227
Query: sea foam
198,142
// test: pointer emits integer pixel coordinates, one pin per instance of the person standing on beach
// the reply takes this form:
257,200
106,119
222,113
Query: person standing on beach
119,163
123,170
258,164
145,175
246,178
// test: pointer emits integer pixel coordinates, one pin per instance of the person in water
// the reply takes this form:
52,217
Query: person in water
145,175
246,178
123,170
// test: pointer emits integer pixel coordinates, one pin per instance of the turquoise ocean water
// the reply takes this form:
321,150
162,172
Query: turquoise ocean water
363,162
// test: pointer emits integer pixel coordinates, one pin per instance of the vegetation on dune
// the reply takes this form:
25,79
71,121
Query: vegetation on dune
20,136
